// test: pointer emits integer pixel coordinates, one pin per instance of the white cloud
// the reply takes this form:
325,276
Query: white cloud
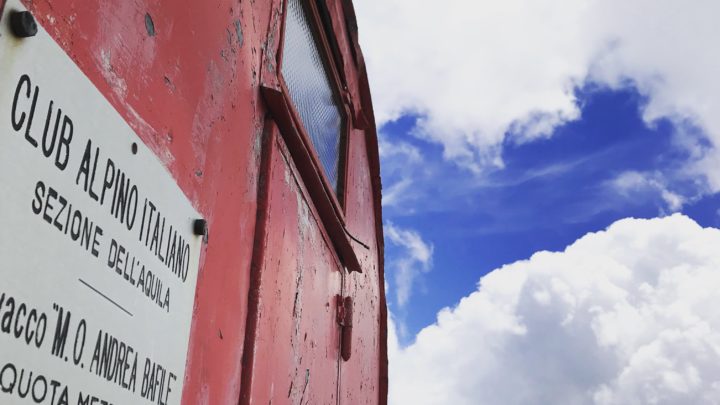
624,316
632,184
400,162
408,153
395,193
480,72
414,260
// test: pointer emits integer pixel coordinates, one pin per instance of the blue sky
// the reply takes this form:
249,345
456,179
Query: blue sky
550,192
551,183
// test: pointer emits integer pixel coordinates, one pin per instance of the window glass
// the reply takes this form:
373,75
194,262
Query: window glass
309,85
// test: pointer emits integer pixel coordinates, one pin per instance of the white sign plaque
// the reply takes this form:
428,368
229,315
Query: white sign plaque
98,259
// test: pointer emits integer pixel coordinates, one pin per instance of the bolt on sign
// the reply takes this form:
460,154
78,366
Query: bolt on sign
99,257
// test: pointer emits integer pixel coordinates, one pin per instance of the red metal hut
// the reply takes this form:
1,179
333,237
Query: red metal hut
192,204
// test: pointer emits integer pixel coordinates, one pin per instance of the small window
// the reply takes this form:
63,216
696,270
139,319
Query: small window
311,90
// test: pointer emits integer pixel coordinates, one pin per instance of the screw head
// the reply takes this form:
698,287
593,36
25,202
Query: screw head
200,227
23,24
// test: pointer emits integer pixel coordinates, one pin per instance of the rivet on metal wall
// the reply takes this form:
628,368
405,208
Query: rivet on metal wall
23,24
200,228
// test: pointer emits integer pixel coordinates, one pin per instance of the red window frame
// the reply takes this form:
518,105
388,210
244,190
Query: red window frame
330,206
323,43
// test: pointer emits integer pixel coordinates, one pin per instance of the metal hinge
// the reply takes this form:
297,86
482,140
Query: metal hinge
345,320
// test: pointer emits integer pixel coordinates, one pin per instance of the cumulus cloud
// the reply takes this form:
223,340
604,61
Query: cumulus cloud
480,73
414,259
624,316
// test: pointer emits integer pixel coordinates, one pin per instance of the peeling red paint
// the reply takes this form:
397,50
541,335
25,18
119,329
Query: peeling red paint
188,78
294,334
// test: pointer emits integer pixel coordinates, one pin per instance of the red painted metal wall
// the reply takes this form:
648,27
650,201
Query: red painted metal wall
198,82
294,337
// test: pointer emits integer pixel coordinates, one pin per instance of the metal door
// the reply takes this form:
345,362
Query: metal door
292,345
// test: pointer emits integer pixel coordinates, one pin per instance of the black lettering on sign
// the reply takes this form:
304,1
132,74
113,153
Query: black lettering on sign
8,378
6,321
152,286
25,324
87,399
63,397
95,242
61,331
122,262
63,151
59,212
21,313
27,384
169,247
156,383
18,123
33,385
127,201
52,195
115,361
57,222
108,181
54,142
60,140
39,194
48,149
125,194
86,172
79,346
149,221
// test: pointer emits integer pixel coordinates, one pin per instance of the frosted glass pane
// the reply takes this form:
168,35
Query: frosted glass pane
309,86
